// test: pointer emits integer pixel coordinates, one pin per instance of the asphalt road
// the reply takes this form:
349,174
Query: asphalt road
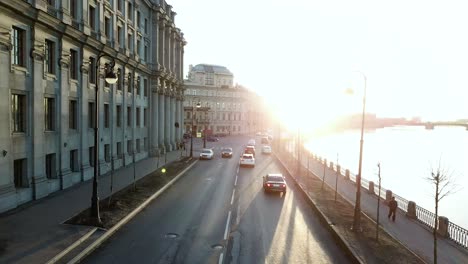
218,213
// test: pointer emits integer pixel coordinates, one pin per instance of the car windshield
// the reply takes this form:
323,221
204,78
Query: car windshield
227,150
206,151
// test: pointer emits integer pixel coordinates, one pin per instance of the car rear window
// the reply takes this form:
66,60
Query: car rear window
275,178
227,149
247,157
206,151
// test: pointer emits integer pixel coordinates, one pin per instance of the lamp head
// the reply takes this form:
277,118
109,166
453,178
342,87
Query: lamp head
111,77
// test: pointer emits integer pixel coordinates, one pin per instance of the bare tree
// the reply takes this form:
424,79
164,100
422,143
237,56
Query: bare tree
444,185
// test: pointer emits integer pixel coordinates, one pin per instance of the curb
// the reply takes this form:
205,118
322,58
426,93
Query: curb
338,238
117,226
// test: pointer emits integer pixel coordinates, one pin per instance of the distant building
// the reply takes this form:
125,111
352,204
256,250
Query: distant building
52,59
225,108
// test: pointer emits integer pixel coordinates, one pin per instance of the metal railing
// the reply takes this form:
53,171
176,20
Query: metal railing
456,233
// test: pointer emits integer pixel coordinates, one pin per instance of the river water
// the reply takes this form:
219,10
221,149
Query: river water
407,155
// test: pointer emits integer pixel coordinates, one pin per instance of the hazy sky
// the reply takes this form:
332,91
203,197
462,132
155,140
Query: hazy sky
305,53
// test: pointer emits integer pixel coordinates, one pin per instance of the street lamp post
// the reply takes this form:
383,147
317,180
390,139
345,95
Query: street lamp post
191,130
111,78
357,206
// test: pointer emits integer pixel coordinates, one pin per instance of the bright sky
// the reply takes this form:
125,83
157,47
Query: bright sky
305,53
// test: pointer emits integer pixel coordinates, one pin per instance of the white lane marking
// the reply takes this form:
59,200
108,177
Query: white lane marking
232,198
227,225
220,258
235,182
238,214
238,168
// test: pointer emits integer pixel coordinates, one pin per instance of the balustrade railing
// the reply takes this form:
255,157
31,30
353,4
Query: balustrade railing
456,233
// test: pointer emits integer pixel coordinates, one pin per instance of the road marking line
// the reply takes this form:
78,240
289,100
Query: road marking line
232,198
238,169
227,225
238,214
235,182
220,258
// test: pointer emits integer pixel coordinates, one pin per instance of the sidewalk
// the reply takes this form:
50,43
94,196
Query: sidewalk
33,233
411,233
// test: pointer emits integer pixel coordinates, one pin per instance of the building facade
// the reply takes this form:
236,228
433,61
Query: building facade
53,57
225,108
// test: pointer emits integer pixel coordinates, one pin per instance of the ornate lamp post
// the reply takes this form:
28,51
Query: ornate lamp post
111,78
191,132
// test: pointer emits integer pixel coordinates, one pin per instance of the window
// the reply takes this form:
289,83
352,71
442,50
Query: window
138,87
107,152
73,9
49,114
209,79
107,27
138,149
138,117
20,173
74,160
73,64
92,70
120,5
120,36
73,115
91,156
119,115
106,116
119,149
130,11
50,166
129,147
138,47
130,42
145,87
18,47
129,116
145,55
145,144
49,57
91,115
145,117
18,111
92,18
119,80
146,26
138,20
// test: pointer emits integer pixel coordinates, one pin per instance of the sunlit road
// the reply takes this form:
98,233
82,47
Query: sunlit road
270,228
219,213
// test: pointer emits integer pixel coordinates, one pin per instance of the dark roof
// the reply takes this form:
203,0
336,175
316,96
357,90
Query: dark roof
211,68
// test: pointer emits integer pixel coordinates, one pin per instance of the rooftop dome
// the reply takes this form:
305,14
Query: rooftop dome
211,68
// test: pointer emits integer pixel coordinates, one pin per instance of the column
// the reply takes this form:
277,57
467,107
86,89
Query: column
161,118
167,36
172,123
178,137
161,41
86,170
38,180
7,188
167,125
154,117
64,154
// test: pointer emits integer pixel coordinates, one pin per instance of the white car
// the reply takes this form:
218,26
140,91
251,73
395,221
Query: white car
247,160
266,149
206,154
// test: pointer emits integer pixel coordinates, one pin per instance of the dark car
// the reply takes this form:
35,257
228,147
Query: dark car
274,182
187,135
250,150
226,153
212,139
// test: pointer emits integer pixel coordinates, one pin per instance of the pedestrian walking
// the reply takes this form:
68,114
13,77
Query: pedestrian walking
392,206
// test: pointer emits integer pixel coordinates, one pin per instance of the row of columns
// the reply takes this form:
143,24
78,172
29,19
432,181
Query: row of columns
167,117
